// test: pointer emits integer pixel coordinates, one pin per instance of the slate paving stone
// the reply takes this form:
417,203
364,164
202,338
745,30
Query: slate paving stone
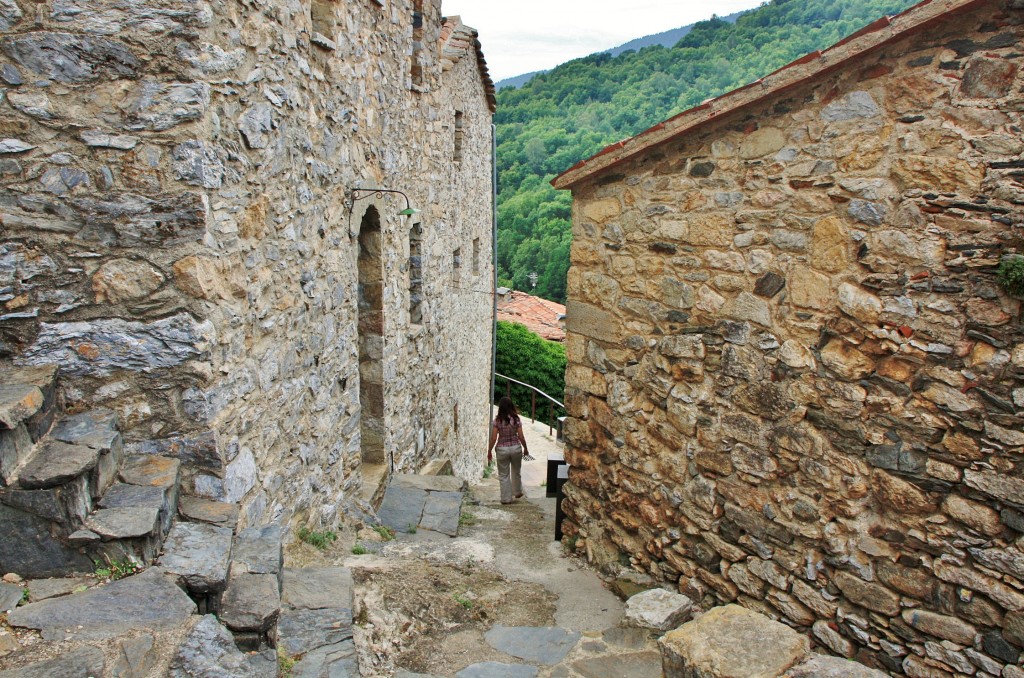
209,650
200,554
136,657
402,673
441,512
55,463
301,631
121,495
258,550
208,511
545,645
498,670
82,661
334,661
149,600
10,595
251,602
151,470
402,507
124,523
41,589
430,483
633,665
317,588
626,637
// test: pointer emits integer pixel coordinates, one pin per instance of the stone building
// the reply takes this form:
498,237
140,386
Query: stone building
794,379
180,234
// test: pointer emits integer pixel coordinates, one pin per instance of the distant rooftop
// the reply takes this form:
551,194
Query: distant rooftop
540,316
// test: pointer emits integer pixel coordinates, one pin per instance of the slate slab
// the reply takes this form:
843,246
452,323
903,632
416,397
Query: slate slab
149,599
209,650
542,644
41,589
82,661
68,504
55,463
95,426
18,402
822,666
402,507
335,661
10,596
258,550
124,523
208,511
136,657
441,512
317,588
151,470
15,446
200,554
429,483
301,631
497,670
634,665
251,602
29,550
123,495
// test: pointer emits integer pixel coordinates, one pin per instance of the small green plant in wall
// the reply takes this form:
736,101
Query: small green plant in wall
1011,274
320,540
359,550
385,532
116,569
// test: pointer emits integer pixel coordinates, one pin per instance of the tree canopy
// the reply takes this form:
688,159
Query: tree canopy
569,113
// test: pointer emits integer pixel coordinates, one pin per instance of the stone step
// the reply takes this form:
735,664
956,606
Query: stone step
29,397
96,429
202,510
54,463
414,502
251,603
199,555
316,622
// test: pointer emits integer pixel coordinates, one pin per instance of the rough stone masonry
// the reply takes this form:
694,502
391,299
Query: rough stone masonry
794,381
177,236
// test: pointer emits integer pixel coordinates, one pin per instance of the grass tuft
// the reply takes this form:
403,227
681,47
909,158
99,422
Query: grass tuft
320,540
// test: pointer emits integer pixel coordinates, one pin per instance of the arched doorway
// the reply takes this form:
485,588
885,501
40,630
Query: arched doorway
371,338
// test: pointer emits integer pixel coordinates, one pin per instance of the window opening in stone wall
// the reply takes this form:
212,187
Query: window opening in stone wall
456,265
476,256
371,338
416,274
458,136
417,44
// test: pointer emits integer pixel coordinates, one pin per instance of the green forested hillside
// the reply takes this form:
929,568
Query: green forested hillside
572,111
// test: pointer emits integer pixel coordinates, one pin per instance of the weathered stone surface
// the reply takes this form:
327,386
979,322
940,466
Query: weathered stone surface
1007,488
41,589
199,554
258,550
198,452
18,402
854,105
120,280
81,661
315,588
209,650
975,515
15,446
10,596
251,602
730,642
69,58
29,547
134,15
302,631
104,140
632,665
497,670
823,666
402,508
99,347
658,609
202,510
330,660
858,303
136,657
941,625
542,645
55,463
748,307
151,471
590,321
10,14
149,599
441,512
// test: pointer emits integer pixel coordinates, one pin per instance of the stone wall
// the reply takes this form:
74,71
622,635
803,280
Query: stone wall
176,233
794,381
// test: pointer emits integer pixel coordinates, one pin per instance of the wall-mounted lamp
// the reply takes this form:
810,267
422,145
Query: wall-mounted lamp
354,195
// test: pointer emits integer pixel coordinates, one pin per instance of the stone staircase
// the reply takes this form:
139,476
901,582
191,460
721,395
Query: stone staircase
70,499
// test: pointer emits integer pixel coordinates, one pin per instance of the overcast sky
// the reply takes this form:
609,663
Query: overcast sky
531,35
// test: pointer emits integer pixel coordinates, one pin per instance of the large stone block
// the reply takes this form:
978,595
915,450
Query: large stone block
591,321
731,642
69,58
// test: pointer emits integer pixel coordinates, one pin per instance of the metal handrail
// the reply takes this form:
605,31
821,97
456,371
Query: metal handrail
533,399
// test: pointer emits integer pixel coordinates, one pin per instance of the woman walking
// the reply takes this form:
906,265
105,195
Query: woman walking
507,432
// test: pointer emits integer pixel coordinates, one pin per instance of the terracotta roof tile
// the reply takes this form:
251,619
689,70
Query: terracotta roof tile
459,40
540,316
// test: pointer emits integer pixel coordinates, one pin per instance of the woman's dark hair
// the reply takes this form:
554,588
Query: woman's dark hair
507,410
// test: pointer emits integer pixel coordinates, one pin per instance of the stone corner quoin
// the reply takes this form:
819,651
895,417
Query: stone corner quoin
177,236
795,381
